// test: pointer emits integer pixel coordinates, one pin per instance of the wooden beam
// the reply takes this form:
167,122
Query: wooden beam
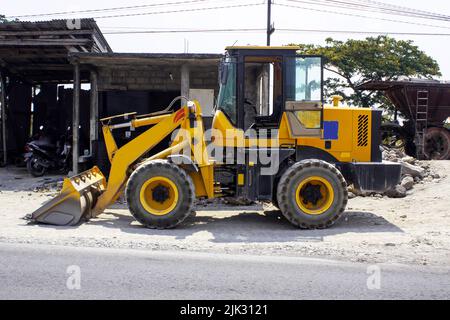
3,103
43,67
22,57
76,117
46,42
93,130
46,33
185,75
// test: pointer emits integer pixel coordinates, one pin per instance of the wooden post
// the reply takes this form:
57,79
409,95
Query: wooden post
3,103
76,117
185,81
93,130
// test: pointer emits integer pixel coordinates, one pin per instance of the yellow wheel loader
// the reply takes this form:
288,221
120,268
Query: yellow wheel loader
272,138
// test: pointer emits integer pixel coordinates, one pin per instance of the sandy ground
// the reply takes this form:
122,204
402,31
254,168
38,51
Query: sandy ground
414,230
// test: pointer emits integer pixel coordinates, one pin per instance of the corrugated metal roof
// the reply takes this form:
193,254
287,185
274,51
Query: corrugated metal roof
385,85
55,25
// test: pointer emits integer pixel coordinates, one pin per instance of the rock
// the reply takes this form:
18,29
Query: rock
389,244
378,195
436,176
351,195
414,171
397,192
409,160
407,182
404,216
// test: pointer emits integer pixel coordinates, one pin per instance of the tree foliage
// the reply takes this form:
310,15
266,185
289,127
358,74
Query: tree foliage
376,58
3,19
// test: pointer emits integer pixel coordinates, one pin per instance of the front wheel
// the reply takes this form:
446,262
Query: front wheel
35,168
160,194
312,194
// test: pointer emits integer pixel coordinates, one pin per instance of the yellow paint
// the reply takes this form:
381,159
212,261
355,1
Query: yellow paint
344,149
326,191
241,179
150,204
199,185
347,135
336,100
122,158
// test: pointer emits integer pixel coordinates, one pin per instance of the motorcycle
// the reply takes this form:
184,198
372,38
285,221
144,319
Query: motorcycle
42,155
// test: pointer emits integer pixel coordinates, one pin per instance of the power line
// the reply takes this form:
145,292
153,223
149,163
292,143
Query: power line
366,32
358,6
360,16
110,9
174,11
387,6
185,31
289,30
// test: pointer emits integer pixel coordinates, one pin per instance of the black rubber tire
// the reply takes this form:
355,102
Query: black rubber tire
35,171
178,176
443,136
288,185
282,169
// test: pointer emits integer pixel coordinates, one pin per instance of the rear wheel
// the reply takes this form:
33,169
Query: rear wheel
437,144
312,194
34,168
160,194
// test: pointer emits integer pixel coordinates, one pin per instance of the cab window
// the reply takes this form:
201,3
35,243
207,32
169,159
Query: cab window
226,100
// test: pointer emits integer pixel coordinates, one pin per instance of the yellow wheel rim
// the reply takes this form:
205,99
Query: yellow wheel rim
314,195
159,195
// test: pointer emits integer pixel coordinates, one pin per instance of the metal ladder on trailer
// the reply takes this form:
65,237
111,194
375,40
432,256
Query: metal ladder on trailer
421,124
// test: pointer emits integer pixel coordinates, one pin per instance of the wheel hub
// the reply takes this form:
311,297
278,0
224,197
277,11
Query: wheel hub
311,194
314,195
160,193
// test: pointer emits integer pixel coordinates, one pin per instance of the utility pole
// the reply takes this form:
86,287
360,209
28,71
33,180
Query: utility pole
270,27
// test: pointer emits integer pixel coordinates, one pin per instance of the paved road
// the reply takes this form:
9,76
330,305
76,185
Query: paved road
40,272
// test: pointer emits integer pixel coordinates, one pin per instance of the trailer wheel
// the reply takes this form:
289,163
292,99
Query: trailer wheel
160,194
312,194
437,144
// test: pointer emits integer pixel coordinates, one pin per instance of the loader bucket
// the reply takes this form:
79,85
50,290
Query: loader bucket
75,201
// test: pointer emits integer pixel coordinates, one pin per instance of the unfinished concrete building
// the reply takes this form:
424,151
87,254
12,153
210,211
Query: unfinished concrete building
59,74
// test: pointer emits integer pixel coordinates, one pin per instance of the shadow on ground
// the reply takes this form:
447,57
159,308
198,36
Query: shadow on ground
263,226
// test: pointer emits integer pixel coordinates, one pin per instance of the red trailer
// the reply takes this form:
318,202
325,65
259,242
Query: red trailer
425,104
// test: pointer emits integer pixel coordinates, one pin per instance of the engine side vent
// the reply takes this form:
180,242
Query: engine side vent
363,130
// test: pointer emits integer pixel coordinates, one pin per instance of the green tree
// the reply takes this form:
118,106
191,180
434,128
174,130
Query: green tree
3,19
376,58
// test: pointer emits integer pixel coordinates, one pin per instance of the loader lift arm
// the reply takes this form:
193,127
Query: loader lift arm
122,158
94,195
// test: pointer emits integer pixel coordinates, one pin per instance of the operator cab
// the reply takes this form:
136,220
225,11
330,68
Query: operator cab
256,83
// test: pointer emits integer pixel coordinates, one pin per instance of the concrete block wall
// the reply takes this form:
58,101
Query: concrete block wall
156,78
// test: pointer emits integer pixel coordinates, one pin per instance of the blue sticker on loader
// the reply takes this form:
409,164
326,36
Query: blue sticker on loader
330,130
